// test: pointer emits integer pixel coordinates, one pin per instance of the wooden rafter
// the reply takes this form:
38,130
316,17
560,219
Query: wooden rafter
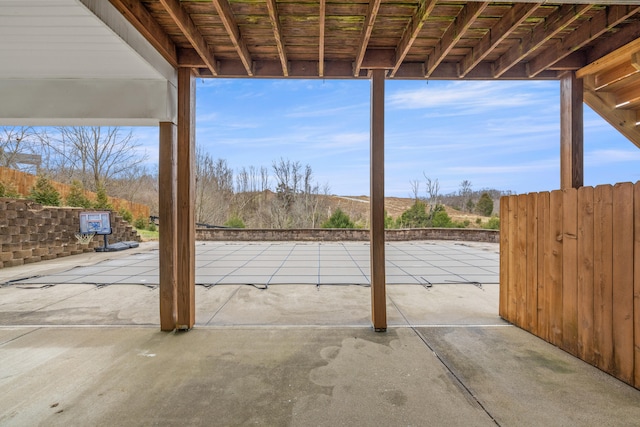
585,34
454,33
321,22
191,32
542,33
500,31
625,121
228,20
411,32
277,33
367,28
142,20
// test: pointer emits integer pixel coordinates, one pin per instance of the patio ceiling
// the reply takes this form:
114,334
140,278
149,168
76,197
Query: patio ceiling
412,39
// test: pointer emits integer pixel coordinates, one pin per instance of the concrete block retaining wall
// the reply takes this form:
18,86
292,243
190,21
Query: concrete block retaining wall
343,234
30,232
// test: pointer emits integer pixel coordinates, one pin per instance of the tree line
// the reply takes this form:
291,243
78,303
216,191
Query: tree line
285,194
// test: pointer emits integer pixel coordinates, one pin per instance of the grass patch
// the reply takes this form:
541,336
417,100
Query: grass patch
148,235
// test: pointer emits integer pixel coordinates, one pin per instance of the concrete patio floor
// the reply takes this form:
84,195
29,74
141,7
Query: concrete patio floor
288,353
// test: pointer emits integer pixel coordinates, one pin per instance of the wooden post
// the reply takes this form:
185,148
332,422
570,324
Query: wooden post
571,132
168,209
186,314
378,286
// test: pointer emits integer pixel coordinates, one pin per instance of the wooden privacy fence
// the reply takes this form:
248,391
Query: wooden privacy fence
23,182
570,272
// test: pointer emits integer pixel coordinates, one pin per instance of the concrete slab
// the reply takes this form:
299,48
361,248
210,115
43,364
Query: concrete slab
300,377
523,381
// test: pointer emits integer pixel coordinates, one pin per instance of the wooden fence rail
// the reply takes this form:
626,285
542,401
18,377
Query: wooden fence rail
570,272
23,182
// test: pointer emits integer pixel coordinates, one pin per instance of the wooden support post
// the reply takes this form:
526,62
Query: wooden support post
571,132
378,286
186,313
168,208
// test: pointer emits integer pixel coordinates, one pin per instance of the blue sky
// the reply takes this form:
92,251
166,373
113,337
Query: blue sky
502,135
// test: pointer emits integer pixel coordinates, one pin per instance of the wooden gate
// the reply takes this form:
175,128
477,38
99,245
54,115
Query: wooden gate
570,272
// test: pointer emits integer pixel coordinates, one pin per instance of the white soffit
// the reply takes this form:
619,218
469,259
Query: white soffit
83,47
63,39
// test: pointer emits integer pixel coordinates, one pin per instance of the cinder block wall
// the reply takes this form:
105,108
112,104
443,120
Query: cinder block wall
30,232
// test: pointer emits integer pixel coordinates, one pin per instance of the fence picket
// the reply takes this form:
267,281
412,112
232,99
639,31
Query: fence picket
623,352
602,276
570,270
585,274
532,263
544,294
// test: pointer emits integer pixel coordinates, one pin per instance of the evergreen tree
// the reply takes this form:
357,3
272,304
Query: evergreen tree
43,192
102,200
414,217
76,196
339,219
485,205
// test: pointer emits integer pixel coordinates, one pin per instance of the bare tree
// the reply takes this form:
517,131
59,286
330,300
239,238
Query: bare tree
93,154
415,189
465,193
214,189
433,190
20,148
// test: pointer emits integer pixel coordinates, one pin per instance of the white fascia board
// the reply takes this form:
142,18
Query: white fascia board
87,102
118,24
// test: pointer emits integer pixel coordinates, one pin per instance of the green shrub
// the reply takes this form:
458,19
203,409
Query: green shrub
339,219
152,226
478,221
141,223
102,200
442,220
234,222
9,191
414,217
126,215
493,223
44,193
76,196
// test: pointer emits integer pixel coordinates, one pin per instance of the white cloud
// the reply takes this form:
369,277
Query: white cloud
465,97
607,157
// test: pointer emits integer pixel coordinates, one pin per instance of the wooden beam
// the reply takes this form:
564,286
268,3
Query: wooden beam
590,30
190,31
321,23
186,200
379,58
500,31
571,132
572,62
611,59
453,34
542,33
141,19
167,209
623,120
627,97
277,34
411,32
369,20
619,40
378,276
228,20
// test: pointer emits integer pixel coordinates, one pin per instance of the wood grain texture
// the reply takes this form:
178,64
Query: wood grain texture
585,274
532,263
186,200
622,298
570,270
504,257
603,277
544,287
168,209
553,267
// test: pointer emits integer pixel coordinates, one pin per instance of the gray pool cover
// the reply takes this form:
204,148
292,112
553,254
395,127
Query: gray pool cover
316,263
